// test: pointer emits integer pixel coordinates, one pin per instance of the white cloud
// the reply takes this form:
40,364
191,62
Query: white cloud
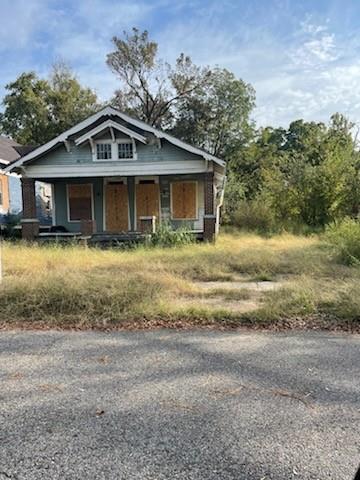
306,70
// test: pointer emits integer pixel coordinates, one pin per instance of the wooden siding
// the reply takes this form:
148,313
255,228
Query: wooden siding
99,210
145,153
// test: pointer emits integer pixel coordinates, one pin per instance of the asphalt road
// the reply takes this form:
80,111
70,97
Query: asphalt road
179,405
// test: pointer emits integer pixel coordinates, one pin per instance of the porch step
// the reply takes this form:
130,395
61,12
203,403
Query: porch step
111,239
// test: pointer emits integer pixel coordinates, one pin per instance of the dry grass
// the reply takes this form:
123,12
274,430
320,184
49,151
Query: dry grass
54,286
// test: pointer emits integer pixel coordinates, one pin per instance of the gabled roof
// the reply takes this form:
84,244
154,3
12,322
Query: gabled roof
109,124
110,111
8,152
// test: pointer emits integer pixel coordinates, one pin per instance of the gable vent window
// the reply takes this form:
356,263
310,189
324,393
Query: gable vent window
103,151
125,150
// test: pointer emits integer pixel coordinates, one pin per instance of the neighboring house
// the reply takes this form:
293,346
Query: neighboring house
112,174
10,192
10,186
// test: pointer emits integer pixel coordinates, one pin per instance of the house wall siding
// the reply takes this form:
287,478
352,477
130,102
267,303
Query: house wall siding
61,210
145,153
61,207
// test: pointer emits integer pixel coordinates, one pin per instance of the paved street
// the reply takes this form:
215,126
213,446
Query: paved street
179,405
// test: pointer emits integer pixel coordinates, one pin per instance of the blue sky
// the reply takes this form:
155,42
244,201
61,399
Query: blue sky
302,57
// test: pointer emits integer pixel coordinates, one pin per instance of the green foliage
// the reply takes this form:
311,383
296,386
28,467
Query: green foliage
209,108
216,116
166,236
306,175
234,194
253,215
37,110
344,237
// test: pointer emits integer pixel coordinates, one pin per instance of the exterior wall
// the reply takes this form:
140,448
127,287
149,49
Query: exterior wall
79,155
169,163
61,207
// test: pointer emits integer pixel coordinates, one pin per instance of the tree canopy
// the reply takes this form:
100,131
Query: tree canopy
207,107
307,174
36,110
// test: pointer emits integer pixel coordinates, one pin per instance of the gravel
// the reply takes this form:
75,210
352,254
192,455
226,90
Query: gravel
188,405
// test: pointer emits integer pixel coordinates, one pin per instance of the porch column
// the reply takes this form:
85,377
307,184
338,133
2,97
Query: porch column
209,214
30,223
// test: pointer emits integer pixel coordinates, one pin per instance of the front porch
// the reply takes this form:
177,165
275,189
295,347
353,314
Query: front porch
128,207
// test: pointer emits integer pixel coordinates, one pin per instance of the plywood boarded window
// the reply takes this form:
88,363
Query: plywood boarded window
80,202
184,200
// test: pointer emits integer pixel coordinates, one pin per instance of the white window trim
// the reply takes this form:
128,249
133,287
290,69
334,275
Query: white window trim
114,150
196,201
68,201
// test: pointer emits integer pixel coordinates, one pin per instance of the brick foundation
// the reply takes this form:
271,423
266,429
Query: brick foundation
209,217
30,224
29,229
209,228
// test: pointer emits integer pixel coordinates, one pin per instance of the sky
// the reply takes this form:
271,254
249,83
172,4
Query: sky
302,57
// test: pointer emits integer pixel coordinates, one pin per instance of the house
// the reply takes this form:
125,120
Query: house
10,186
112,174
10,191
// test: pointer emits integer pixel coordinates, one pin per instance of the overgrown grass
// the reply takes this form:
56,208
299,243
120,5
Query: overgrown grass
77,287
344,238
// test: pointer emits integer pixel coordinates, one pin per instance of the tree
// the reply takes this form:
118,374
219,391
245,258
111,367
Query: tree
150,88
306,174
216,116
26,117
37,110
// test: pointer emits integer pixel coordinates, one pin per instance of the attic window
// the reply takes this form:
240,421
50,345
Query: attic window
125,150
103,151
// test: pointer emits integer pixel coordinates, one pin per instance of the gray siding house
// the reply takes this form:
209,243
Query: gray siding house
112,174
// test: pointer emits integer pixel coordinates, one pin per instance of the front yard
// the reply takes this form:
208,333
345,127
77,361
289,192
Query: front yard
280,282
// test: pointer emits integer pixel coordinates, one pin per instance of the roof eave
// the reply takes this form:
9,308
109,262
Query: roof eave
104,112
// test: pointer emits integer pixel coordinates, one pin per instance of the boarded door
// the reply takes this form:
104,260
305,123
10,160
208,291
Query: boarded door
117,207
147,200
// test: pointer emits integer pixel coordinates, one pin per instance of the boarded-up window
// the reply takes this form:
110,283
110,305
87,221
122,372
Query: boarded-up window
80,202
183,200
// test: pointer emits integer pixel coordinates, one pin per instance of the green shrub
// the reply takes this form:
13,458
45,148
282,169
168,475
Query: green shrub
167,236
254,215
344,237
